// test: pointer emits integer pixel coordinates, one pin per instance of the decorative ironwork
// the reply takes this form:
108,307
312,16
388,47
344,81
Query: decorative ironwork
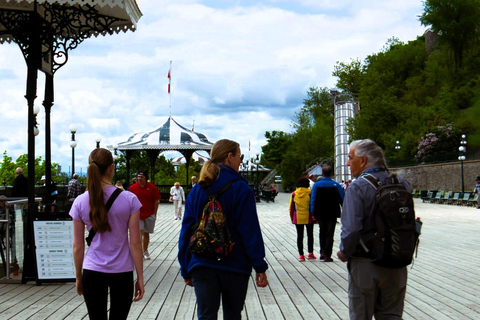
59,28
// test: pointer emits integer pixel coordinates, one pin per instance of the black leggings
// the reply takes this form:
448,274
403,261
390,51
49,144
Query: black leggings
300,237
95,292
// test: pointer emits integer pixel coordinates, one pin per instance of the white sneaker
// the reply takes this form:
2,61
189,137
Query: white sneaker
146,255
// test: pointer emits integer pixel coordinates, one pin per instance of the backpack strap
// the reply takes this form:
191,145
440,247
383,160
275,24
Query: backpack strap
374,182
108,205
222,189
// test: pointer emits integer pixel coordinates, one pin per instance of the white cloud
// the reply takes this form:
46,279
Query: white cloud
240,68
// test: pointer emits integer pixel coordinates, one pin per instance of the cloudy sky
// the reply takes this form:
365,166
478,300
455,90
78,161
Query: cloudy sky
240,68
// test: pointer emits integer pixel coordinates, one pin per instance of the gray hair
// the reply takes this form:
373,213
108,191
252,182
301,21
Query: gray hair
372,151
19,171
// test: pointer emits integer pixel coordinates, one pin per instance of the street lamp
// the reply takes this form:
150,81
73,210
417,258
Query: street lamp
397,147
115,157
36,110
461,157
73,144
98,142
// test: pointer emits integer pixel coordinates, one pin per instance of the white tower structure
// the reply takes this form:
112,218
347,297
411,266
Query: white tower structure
345,107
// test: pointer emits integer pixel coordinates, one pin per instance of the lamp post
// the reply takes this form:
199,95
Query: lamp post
98,142
36,110
258,185
461,157
397,147
73,144
115,157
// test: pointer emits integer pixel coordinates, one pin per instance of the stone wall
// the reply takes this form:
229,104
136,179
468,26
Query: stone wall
442,176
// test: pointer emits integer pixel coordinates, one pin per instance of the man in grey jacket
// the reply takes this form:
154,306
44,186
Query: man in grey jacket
373,290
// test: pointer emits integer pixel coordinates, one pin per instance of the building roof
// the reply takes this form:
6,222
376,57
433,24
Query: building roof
169,136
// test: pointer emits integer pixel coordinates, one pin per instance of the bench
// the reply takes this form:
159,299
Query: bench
268,195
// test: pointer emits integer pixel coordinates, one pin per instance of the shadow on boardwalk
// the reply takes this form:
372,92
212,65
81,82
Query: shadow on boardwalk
443,284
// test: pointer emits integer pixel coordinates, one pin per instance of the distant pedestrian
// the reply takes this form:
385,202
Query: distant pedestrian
74,188
477,191
301,218
178,196
53,190
20,184
148,195
325,201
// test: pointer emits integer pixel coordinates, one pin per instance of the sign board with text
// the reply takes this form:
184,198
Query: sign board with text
53,249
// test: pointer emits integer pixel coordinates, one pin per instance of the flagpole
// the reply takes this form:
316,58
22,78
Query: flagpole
169,83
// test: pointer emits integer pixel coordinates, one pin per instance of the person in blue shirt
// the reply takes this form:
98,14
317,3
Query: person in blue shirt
225,279
325,201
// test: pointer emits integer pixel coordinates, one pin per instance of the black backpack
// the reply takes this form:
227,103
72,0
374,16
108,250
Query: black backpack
397,229
212,238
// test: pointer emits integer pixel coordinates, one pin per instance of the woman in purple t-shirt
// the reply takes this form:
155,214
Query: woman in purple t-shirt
113,255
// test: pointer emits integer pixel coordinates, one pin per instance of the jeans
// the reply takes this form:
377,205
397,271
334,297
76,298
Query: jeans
300,230
211,284
95,292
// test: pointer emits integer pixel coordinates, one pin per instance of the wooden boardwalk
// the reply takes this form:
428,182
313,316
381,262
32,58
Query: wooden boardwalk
443,283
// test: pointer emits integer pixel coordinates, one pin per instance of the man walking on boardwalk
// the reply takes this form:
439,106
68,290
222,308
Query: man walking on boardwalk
373,290
148,195
325,201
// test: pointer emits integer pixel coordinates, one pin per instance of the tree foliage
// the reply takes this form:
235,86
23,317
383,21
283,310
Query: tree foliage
457,22
311,141
8,167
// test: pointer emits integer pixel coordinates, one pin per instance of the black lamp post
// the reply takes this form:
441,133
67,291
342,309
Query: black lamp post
98,142
115,158
461,157
258,185
73,144
397,147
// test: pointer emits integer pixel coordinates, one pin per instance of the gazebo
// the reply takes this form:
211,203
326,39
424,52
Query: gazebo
170,136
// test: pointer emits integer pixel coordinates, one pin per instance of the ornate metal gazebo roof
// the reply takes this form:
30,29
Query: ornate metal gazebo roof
170,136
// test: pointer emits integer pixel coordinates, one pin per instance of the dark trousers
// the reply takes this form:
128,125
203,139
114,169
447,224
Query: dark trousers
300,230
327,230
211,284
95,292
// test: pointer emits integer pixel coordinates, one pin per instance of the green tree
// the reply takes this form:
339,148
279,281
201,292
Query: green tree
457,22
277,145
7,169
311,142
349,75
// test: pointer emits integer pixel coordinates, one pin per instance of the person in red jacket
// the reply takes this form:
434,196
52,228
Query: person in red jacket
148,195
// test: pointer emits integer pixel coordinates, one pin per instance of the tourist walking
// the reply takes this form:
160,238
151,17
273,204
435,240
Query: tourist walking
226,279
326,199
148,195
373,290
115,249
178,197
301,218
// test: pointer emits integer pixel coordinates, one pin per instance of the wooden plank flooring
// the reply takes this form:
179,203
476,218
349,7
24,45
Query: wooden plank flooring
443,283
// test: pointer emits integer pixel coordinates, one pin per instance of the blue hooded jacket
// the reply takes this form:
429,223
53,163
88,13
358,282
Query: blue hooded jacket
238,203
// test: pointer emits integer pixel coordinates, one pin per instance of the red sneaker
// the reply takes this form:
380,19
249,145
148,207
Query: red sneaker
301,258
311,256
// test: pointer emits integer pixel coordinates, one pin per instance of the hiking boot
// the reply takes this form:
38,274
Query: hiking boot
146,255
301,258
311,256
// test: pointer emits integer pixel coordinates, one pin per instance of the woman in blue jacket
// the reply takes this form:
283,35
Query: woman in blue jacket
226,278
